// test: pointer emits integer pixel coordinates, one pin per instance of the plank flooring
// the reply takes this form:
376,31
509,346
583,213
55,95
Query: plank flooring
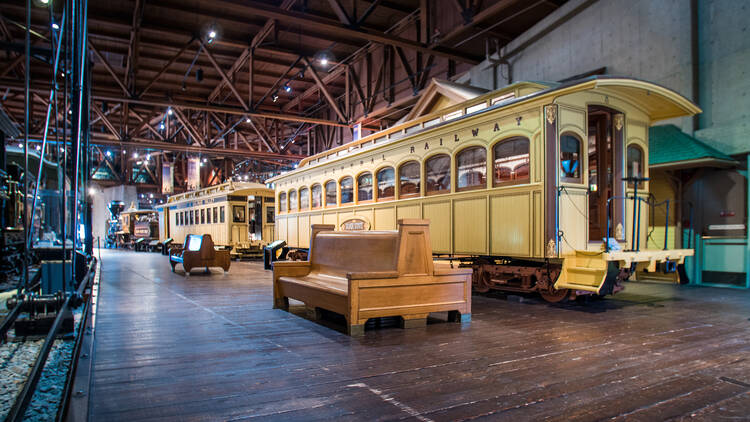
210,347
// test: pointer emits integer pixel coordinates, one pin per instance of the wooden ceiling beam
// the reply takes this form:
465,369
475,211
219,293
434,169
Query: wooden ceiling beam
254,43
107,66
224,76
17,85
328,26
331,101
103,139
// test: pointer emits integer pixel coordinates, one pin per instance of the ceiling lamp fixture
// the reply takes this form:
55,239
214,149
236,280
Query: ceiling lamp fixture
248,120
324,58
275,97
287,88
55,25
211,32
169,111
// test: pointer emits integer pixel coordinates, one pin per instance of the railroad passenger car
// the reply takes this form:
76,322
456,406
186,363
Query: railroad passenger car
239,215
136,224
527,184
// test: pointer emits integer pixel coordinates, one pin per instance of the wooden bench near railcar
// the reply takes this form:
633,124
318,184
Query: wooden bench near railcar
373,274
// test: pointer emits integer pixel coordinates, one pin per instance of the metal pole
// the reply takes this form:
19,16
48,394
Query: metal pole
64,190
27,107
79,74
666,228
52,94
635,203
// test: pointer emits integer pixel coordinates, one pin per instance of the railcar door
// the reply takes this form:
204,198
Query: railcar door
604,171
269,219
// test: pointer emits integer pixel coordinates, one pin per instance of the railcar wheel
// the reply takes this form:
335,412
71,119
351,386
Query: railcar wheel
553,295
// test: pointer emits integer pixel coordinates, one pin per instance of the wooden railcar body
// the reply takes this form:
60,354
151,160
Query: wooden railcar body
239,215
553,209
136,224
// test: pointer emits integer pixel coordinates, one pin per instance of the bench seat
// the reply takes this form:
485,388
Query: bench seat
364,275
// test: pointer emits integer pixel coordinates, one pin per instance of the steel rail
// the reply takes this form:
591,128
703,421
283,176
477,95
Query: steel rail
23,399
13,314
84,329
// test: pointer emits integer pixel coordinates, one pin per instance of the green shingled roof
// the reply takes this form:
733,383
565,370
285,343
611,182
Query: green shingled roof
668,144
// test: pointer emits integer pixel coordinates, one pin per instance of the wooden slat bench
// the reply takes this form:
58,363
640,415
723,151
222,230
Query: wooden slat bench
371,274
199,251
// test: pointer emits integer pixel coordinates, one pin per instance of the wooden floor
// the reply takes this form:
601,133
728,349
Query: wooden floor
210,347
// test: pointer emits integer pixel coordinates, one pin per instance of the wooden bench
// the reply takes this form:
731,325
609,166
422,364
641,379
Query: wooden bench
199,252
371,274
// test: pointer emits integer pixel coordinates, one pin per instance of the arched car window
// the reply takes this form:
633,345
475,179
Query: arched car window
471,168
386,179
570,158
408,179
304,198
317,196
347,190
364,187
511,161
331,199
437,174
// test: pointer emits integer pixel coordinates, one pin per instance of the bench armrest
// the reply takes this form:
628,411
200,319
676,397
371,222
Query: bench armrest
371,275
291,268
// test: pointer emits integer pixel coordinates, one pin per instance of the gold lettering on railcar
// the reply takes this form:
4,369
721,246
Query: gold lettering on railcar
355,224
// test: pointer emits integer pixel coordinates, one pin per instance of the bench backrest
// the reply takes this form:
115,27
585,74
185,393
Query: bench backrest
203,244
407,250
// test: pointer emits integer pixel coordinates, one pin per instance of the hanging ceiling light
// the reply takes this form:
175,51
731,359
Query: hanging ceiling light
275,97
161,126
55,25
248,120
211,32
324,58
287,88
169,111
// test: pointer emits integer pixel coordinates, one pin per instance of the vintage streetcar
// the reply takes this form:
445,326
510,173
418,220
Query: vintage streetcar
136,224
237,215
532,185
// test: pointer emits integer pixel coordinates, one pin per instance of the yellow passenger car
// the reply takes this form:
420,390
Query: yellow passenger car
239,215
526,183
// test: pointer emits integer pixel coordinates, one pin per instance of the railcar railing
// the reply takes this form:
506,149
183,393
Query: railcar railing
651,203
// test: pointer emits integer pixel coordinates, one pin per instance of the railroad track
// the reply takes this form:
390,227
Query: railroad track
50,359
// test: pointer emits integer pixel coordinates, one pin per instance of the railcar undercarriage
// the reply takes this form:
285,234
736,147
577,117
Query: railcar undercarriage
535,276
